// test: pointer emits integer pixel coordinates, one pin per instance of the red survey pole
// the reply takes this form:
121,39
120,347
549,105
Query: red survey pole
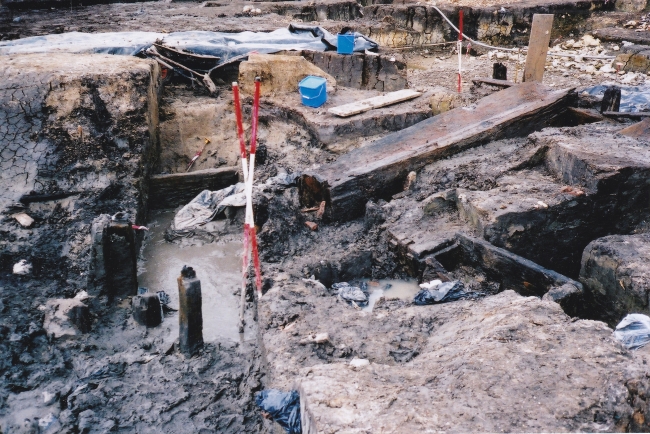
460,46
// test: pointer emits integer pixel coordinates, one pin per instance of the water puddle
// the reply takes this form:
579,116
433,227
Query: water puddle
217,265
390,288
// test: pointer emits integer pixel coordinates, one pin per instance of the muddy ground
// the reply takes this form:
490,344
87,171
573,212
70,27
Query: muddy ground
505,361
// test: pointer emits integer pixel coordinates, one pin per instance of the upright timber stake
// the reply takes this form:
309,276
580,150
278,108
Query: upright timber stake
611,100
540,36
190,318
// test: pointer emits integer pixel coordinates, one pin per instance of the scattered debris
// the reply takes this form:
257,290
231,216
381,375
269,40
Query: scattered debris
24,220
282,407
437,292
356,363
311,225
351,294
319,338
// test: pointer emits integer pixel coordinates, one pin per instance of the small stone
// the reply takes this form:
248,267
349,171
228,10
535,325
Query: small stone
359,363
22,268
311,225
24,220
49,398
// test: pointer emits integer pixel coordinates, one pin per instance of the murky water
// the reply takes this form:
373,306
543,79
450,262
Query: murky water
217,265
390,288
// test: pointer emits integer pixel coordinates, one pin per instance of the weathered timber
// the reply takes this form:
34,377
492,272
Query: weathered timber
190,317
540,36
637,115
513,271
379,170
375,102
580,116
147,310
613,34
638,130
169,191
611,99
499,71
493,82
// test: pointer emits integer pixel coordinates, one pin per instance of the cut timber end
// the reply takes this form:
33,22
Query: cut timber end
639,130
379,170
373,103
540,36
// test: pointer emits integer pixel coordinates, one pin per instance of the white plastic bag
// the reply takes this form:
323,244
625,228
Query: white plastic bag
633,331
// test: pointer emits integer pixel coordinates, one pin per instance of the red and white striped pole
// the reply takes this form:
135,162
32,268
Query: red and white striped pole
248,171
460,48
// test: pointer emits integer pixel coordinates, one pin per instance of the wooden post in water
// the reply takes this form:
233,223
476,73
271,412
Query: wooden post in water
540,36
190,318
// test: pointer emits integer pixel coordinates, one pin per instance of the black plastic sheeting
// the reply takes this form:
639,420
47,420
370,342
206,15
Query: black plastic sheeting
283,407
446,292
633,98
223,45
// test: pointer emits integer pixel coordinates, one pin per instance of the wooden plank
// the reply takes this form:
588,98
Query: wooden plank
493,82
540,36
379,170
638,130
170,191
637,115
357,107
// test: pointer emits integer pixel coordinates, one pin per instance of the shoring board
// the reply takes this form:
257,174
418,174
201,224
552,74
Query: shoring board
354,108
379,170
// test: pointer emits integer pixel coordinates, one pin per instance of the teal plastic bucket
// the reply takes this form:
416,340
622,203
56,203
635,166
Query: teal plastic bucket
313,91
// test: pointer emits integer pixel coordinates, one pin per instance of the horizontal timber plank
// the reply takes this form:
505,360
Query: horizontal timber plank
170,191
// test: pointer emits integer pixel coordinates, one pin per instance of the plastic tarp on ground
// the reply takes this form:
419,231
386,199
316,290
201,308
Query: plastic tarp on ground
633,98
223,45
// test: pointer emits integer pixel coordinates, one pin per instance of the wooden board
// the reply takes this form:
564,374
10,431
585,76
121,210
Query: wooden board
379,170
357,107
636,115
639,130
540,36
493,82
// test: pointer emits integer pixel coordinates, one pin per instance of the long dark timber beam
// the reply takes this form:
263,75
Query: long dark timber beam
169,191
380,170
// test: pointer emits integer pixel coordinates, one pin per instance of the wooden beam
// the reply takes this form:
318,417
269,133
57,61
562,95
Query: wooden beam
357,107
379,170
540,36
493,82
170,191
638,130
636,115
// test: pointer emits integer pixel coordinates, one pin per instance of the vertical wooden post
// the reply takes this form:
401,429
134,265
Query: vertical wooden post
540,36
190,318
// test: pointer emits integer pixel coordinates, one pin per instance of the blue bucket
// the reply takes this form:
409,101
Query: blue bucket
345,44
313,91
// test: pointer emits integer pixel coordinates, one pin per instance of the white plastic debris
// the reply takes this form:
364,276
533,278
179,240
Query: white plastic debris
434,284
247,8
633,331
22,267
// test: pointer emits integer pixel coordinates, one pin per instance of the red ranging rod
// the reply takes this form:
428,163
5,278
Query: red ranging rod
460,46
250,222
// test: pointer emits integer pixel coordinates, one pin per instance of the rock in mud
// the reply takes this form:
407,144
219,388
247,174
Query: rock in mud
66,318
